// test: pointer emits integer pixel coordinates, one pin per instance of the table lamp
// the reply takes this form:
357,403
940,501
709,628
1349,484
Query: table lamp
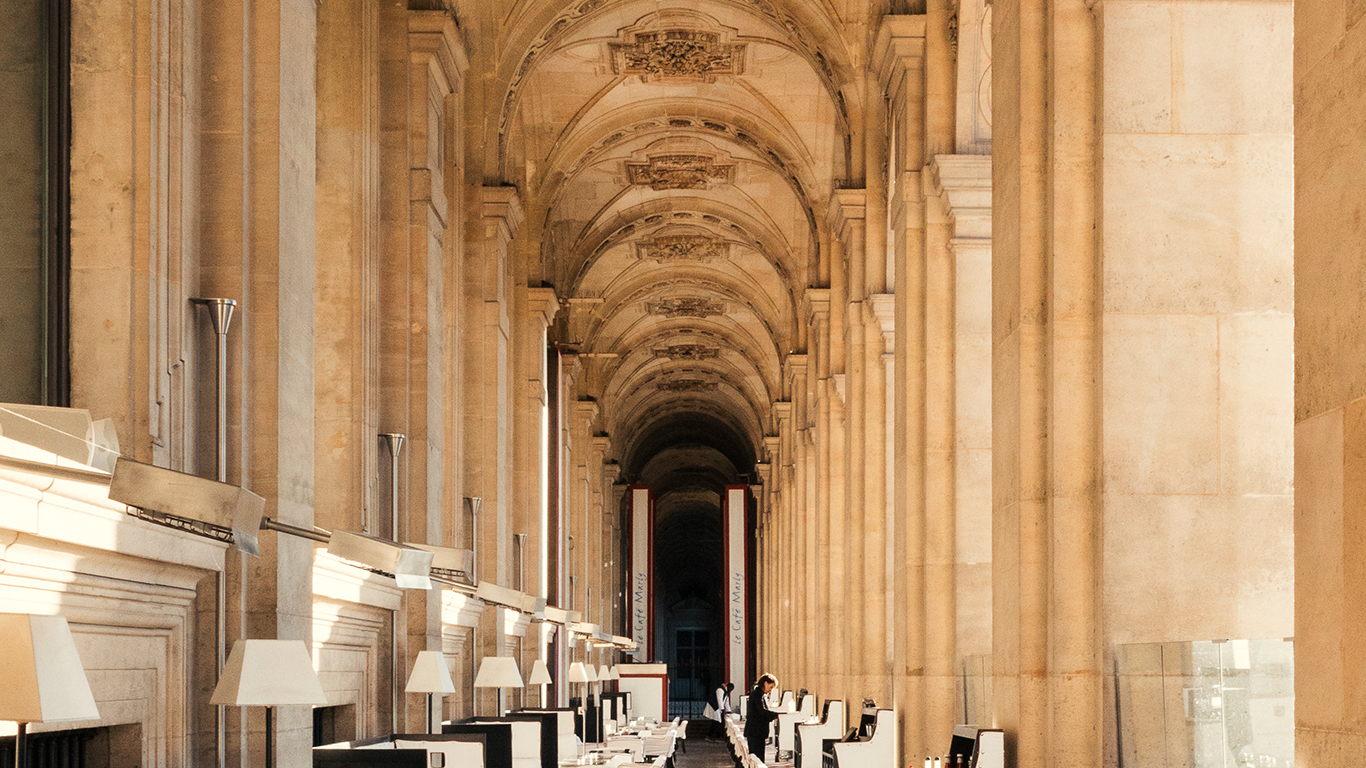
498,672
41,675
431,676
540,676
268,673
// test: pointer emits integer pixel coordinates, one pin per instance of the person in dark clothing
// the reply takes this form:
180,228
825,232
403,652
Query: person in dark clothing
758,717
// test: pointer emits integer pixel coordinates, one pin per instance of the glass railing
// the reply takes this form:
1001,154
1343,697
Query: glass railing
1206,704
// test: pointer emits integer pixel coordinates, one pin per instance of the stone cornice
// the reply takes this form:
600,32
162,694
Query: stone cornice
782,409
339,580
846,207
771,446
963,185
433,34
503,206
586,409
817,301
542,302
882,307
899,48
459,609
796,365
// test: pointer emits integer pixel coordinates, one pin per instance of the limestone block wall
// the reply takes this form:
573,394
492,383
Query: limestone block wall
1330,381
1197,320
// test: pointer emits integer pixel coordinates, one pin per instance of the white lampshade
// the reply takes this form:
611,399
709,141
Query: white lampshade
603,674
578,673
615,673
268,673
430,674
540,673
40,672
592,672
498,672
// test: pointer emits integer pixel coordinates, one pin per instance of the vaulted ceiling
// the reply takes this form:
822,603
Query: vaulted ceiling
675,159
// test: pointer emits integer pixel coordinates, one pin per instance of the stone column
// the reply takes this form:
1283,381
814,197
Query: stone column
258,144
899,54
413,349
962,188
489,401
1046,385
1330,389
803,555
829,526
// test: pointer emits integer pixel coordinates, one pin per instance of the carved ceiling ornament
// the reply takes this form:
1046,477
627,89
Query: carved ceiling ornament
685,307
569,17
682,248
678,53
687,352
679,171
686,385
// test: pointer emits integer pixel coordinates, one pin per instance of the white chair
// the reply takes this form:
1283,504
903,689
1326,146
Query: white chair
879,751
809,737
465,754
683,737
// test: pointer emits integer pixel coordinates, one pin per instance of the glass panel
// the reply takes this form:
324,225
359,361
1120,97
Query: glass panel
1206,704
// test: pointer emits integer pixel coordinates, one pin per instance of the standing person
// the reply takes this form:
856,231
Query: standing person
723,700
758,717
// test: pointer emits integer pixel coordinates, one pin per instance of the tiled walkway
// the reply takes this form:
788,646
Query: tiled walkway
704,752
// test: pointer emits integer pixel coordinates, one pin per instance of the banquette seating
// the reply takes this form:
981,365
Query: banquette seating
788,721
871,750
809,739
567,744
419,750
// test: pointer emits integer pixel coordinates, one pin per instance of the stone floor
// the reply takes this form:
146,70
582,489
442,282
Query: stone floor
706,748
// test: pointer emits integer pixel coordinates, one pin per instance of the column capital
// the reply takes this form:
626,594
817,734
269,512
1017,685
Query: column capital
502,206
882,308
898,49
782,409
542,303
817,301
586,409
434,39
848,208
796,365
765,472
963,185
771,446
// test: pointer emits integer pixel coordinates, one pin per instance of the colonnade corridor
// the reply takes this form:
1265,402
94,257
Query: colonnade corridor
966,362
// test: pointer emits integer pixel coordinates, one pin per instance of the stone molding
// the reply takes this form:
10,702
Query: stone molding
817,301
682,247
542,304
512,623
685,307
687,352
434,38
687,385
678,53
963,185
460,609
679,171
847,206
502,207
336,579
899,48
882,308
